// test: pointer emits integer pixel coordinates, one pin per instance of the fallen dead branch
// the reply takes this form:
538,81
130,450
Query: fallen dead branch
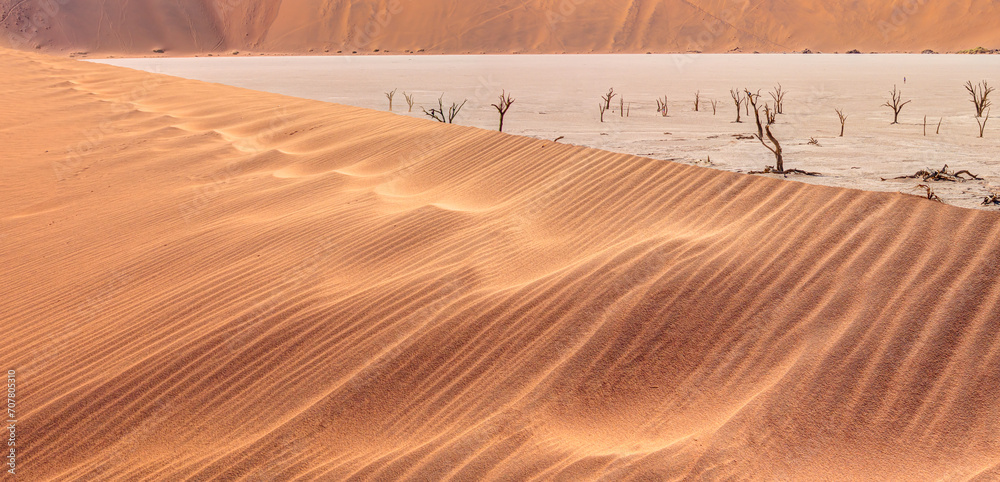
942,174
772,170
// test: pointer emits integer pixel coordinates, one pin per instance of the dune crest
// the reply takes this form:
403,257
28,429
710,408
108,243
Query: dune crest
208,282
120,27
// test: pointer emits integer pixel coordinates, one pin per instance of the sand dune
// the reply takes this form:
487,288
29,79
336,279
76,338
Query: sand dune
502,26
221,283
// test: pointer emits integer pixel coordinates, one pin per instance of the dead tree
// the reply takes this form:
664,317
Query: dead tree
661,106
390,95
843,121
931,196
440,115
896,104
621,107
938,132
454,110
772,145
409,101
738,100
603,109
697,100
778,94
775,148
770,115
607,98
982,122
503,105
752,99
715,106
980,96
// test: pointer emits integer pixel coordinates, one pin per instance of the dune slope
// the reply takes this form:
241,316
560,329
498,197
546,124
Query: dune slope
200,281
502,26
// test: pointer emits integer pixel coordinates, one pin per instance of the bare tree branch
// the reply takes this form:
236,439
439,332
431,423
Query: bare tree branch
390,95
980,96
738,99
778,94
843,121
503,105
409,101
896,104
661,106
445,117
982,123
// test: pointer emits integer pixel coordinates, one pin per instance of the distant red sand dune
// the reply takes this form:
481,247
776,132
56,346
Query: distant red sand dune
460,26
205,282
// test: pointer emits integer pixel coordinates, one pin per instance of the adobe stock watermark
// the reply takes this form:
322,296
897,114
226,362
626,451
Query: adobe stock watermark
301,275
126,449
90,309
365,34
251,145
43,13
486,88
426,145
445,292
11,422
711,30
900,15
74,161
562,12
286,448
362,35
227,6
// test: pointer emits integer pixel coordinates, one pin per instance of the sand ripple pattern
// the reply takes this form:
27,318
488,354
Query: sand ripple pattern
202,282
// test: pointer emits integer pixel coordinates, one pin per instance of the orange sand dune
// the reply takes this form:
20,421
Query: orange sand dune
501,26
204,282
